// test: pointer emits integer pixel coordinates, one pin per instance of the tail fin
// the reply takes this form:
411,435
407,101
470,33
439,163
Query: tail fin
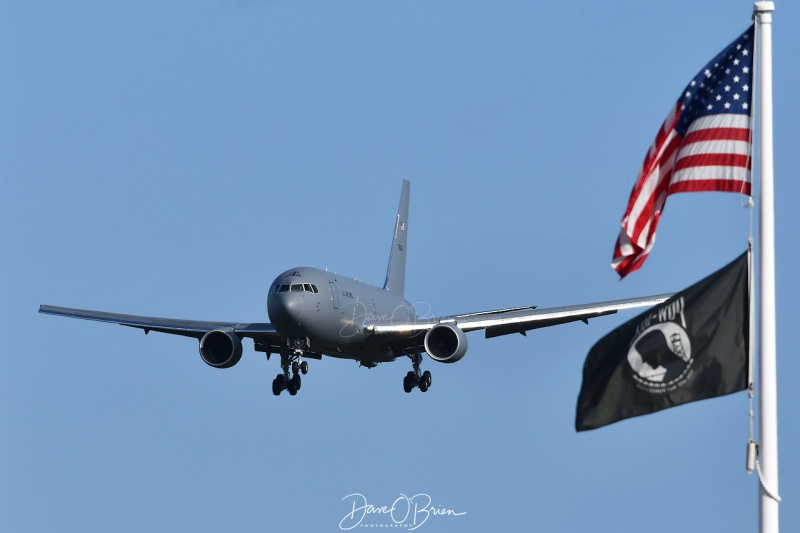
396,273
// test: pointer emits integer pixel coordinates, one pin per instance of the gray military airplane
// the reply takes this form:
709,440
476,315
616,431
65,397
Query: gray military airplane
314,313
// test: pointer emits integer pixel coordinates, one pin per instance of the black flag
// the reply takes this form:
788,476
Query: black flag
692,347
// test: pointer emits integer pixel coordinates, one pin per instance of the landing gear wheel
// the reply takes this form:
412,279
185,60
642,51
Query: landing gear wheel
426,377
295,367
292,387
423,385
296,382
304,367
277,387
408,382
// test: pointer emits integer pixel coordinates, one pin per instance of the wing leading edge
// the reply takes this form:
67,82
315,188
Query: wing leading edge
263,334
518,320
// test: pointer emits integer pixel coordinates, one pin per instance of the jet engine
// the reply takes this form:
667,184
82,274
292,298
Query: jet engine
445,343
220,348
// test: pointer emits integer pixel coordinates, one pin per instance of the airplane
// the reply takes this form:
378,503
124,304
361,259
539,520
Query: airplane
315,313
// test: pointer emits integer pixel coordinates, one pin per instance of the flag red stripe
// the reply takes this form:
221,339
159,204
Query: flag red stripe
647,214
628,263
651,210
713,160
718,134
711,185
648,168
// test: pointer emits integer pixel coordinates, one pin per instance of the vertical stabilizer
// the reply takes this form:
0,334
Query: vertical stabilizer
396,273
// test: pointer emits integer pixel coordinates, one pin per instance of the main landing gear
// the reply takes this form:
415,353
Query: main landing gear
414,378
291,358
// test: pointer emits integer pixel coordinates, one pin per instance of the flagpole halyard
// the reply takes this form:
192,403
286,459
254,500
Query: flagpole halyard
767,462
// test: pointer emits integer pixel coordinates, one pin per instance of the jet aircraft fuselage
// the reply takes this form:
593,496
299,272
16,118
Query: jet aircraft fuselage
330,311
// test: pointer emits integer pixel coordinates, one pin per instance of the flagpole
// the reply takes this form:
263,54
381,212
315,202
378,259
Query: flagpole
767,375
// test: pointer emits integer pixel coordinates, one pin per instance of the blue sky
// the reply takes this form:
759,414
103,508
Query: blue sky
171,160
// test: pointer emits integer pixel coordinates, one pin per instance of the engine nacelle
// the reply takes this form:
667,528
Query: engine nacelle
445,343
220,348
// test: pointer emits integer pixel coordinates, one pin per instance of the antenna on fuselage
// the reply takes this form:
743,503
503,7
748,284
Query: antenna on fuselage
396,272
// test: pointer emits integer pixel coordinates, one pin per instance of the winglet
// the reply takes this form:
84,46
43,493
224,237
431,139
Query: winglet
396,272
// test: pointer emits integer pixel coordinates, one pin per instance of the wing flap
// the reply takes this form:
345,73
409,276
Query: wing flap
523,327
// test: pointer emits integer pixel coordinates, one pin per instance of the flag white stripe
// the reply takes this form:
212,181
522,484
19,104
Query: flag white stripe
711,173
719,121
650,184
715,147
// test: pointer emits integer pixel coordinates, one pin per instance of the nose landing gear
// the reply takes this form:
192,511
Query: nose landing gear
291,358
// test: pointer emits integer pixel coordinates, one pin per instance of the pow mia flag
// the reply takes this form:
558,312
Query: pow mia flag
692,347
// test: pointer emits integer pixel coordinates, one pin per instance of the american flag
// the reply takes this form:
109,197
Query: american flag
704,145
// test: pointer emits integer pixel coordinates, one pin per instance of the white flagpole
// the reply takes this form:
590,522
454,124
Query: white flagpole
767,375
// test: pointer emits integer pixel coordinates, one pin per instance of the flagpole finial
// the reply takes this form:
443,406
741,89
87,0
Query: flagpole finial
763,7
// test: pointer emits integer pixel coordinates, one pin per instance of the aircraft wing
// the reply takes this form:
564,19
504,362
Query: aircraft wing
264,335
518,319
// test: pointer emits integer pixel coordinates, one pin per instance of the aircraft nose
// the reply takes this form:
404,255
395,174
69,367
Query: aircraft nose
285,309
293,306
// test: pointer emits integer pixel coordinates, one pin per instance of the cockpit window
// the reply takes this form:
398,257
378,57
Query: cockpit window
298,287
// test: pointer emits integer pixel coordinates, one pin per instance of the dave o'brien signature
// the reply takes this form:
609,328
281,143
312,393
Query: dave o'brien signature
414,510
